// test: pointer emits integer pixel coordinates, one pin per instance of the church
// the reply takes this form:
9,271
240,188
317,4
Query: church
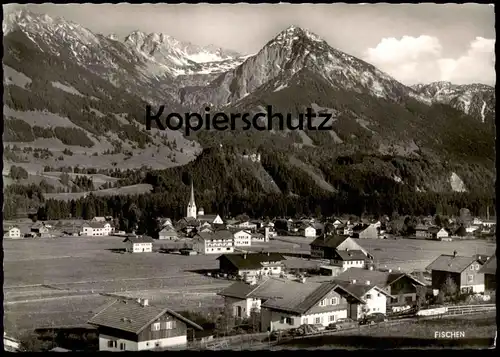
191,213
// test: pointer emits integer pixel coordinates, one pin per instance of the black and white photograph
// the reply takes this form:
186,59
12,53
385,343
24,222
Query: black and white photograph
248,177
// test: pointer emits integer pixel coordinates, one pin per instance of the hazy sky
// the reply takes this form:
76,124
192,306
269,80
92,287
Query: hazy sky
414,43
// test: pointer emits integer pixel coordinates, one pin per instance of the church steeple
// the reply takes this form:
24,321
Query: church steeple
191,208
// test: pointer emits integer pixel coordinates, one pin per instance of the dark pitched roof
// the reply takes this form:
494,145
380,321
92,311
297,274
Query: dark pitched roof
238,290
348,255
379,278
490,267
95,224
252,260
359,290
450,263
330,241
135,239
218,234
129,315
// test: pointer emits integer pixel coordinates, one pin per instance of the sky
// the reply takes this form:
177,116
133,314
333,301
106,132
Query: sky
414,43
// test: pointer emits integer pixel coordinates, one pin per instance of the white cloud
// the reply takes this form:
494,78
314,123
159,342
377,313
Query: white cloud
420,60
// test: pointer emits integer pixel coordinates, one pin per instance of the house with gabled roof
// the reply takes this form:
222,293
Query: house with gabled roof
403,287
346,259
324,246
139,244
251,264
464,272
135,325
422,231
210,219
288,304
308,231
93,229
12,232
168,232
218,242
369,232
489,270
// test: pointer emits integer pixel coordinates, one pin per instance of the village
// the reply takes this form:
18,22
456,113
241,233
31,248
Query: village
281,277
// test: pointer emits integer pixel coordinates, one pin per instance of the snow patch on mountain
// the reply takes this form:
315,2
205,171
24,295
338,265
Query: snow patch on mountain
11,76
482,111
67,89
457,185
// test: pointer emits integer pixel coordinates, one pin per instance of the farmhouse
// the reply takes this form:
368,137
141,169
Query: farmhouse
40,230
370,298
288,304
238,299
438,233
139,244
93,229
12,232
464,271
325,245
346,259
308,231
164,222
401,286
259,237
252,264
242,239
422,231
489,270
168,232
247,225
128,325
213,243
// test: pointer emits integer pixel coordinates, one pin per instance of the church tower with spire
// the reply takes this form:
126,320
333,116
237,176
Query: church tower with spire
191,208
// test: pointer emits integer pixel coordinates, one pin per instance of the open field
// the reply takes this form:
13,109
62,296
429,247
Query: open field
408,254
61,281
479,330
64,281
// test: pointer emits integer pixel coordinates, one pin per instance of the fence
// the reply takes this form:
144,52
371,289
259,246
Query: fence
236,342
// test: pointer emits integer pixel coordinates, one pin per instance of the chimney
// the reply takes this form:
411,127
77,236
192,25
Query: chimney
368,282
145,302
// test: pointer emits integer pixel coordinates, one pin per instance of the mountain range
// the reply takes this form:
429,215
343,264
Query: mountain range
69,88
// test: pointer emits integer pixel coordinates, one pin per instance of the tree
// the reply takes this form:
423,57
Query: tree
449,288
465,217
31,342
421,295
255,319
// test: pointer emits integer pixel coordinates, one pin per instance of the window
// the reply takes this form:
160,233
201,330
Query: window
318,320
368,296
112,344
290,321
331,318
282,319
155,326
378,294
122,346
334,301
477,266
157,344
305,321
472,267
470,278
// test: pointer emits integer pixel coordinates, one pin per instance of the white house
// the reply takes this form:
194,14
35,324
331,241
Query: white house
247,225
337,223
442,233
210,218
288,304
348,258
309,232
128,325
93,229
12,232
139,244
372,298
218,242
242,239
